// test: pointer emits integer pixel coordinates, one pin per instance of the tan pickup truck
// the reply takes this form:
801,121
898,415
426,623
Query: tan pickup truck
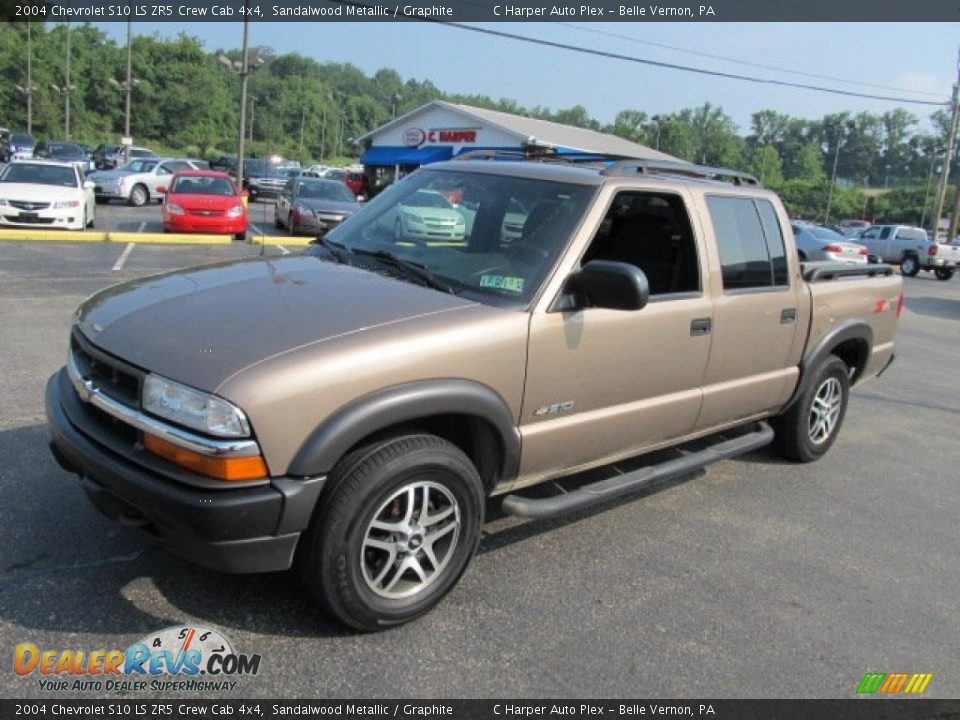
351,409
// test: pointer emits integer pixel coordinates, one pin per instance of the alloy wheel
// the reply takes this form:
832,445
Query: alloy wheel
825,410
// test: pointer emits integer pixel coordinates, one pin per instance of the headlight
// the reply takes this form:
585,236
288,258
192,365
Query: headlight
235,211
414,219
174,209
58,204
193,408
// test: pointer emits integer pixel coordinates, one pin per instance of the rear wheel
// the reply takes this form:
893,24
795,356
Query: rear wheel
944,273
807,430
400,525
909,266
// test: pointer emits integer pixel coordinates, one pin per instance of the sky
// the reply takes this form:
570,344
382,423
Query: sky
913,56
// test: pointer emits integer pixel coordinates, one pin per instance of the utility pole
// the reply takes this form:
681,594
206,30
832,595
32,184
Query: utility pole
951,147
29,80
833,180
66,120
303,120
128,87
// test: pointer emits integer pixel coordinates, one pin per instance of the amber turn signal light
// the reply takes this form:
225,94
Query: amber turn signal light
226,468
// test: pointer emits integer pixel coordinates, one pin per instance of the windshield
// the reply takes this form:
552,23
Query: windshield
39,175
21,139
139,166
65,150
822,233
259,168
497,245
324,190
200,185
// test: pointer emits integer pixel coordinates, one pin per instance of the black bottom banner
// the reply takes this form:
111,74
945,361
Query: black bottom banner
867,709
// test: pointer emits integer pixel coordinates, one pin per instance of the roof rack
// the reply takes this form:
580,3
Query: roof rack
540,155
651,167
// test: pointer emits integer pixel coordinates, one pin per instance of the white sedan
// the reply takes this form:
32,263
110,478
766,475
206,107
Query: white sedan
43,194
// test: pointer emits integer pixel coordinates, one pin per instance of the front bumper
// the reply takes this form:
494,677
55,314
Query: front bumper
236,529
939,262
111,192
219,224
266,191
62,218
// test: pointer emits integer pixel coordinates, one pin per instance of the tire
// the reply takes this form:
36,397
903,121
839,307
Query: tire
800,436
139,196
909,266
943,273
241,236
90,222
366,524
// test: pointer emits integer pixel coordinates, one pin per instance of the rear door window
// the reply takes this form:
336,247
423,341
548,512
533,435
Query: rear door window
749,241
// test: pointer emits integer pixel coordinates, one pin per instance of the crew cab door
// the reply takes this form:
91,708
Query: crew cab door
761,310
604,384
877,240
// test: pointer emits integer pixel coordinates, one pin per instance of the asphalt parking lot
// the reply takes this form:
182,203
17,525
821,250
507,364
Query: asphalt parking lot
755,578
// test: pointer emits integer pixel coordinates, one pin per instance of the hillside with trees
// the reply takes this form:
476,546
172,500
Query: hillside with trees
185,101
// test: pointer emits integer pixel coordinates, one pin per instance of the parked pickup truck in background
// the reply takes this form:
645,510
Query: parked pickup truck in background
912,248
350,410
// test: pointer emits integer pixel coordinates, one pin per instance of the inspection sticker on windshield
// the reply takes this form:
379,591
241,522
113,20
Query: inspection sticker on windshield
502,282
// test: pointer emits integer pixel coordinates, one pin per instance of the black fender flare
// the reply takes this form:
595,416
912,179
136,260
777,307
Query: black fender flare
845,331
409,402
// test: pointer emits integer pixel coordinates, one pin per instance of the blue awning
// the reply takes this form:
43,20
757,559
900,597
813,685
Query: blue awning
391,155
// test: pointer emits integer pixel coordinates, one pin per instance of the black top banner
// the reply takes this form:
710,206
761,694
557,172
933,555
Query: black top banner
484,11
635,709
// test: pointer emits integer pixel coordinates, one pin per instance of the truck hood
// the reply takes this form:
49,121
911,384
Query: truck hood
203,325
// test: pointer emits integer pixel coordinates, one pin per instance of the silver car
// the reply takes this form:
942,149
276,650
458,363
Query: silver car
817,243
138,180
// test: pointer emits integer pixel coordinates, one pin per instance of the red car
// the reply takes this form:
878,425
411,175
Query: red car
204,201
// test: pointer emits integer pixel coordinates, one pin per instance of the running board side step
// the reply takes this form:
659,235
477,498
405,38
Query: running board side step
604,490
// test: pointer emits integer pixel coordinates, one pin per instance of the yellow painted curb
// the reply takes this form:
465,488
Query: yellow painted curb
117,237
170,238
55,235
292,240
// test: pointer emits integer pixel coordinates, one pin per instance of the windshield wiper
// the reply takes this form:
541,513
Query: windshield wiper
412,268
339,252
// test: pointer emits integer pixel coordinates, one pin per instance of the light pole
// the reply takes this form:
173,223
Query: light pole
926,195
253,106
65,90
243,69
127,87
394,101
323,133
28,89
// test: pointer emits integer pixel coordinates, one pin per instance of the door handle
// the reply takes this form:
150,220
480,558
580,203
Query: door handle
788,315
700,326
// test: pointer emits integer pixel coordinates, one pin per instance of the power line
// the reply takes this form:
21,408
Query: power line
672,66
745,62
654,63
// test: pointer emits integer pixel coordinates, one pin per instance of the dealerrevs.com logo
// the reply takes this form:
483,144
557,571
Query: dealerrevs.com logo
176,658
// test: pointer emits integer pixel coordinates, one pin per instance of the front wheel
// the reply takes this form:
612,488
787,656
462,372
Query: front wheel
909,266
139,196
807,430
943,273
398,529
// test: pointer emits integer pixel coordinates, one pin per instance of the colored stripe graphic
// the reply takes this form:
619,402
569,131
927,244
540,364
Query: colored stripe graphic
894,683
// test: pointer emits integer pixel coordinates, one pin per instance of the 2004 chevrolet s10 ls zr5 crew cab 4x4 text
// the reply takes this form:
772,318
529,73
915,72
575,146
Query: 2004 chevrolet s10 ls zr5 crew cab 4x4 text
350,409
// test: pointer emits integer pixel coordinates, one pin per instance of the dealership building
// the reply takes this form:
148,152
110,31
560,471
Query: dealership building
440,131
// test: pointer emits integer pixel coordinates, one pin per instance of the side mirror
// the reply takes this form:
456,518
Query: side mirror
161,189
89,184
607,284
